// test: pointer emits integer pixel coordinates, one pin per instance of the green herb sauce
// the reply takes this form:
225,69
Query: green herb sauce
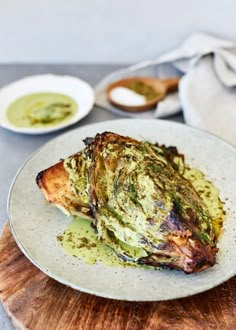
210,196
81,240
143,89
41,109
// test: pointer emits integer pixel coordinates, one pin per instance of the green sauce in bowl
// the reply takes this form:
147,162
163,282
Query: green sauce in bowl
41,109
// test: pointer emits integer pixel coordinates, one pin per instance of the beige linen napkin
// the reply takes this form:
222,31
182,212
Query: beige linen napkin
207,89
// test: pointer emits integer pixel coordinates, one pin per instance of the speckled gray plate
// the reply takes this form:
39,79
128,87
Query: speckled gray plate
35,224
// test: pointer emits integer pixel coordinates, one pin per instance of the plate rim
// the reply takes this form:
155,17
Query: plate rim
60,279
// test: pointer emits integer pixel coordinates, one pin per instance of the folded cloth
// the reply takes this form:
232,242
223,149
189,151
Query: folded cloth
207,89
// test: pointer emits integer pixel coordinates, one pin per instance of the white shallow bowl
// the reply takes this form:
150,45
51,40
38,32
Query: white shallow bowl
35,224
74,87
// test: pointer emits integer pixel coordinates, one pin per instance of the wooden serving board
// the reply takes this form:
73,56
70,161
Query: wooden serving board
34,301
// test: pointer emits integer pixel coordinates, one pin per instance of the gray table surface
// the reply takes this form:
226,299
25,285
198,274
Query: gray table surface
16,148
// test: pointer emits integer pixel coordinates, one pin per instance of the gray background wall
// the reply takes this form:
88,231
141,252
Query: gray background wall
105,30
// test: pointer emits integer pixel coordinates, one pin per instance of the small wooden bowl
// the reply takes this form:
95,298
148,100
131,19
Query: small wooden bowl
161,86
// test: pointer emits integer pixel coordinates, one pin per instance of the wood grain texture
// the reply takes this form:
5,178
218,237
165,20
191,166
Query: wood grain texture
34,301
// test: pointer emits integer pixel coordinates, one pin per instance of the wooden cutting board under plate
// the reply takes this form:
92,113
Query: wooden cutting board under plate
34,301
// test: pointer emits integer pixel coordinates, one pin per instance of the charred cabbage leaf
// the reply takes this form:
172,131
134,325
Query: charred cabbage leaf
141,204
144,208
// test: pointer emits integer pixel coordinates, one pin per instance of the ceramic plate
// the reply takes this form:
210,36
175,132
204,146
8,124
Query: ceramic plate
78,89
35,225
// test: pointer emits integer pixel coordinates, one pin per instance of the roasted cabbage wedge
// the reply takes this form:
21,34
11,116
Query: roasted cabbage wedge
138,201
